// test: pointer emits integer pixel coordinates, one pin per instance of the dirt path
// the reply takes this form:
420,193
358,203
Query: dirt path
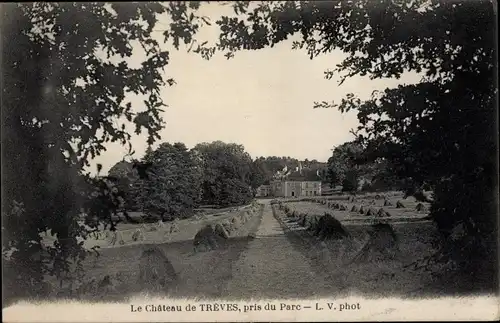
272,267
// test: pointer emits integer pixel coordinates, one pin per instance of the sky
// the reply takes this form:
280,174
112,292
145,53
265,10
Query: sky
261,99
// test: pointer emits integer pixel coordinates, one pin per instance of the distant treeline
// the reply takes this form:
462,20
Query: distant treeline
172,180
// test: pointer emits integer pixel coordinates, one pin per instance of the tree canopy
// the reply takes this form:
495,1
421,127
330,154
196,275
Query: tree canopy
125,176
267,168
66,89
227,173
343,160
171,188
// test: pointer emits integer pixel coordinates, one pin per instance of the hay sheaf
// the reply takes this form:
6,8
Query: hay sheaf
246,216
100,287
228,226
302,220
210,237
138,235
388,203
354,208
329,227
371,212
235,223
312,222
342,207
149,228
382,243
420,208
174,227
361,210
382,213
155,270
400,205
116,236
219,230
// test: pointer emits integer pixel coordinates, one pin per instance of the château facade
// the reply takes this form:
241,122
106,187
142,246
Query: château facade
301,182
290,189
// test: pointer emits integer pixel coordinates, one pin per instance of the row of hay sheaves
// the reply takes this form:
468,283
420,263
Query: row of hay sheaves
368,210
212,236
123,237
166,229
381,240
156,271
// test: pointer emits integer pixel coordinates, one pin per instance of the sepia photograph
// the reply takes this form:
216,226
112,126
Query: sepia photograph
249,161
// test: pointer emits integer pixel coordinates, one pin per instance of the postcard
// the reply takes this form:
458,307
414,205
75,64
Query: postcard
248,161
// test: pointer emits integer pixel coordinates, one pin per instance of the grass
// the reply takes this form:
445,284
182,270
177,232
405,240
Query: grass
283,265
407,214
202,274
383,276
153,234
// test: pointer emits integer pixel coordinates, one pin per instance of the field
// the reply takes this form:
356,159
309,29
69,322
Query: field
275,253
385,275
374,201
356,268
156,233
200,273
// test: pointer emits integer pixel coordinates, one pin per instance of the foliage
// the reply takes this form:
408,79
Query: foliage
267,169
65,81
227,173
126,177
440,132
350,181
259,174
269,166
343,160
172,185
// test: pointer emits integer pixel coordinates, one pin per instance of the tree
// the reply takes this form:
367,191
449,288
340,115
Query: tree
350,182
65,85
126,177
440,132
269,166
227,173
344,159
172,186
259,176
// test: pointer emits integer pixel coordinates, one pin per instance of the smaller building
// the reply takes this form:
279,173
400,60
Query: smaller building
263,191
296,188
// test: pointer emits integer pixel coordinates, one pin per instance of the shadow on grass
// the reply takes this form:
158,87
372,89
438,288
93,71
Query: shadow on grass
200,275
386,277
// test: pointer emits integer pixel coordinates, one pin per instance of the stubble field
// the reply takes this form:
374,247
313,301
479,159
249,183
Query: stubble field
274,255
112,274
